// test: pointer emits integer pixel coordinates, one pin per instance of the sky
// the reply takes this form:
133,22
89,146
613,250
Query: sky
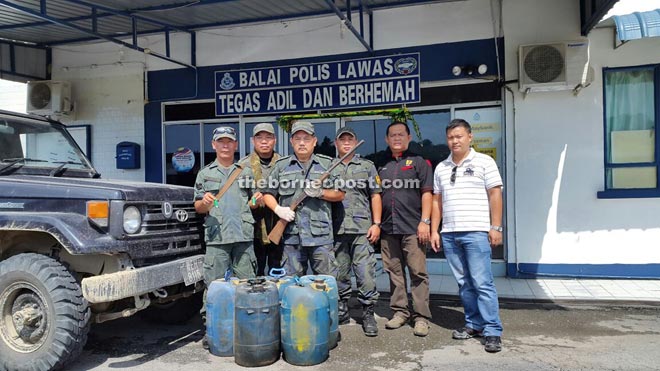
630,6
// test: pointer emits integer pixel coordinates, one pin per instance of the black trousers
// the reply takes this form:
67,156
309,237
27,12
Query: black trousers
267,255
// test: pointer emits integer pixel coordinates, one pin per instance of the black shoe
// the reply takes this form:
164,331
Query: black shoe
369,324
464,333
342,310
205,343
493,344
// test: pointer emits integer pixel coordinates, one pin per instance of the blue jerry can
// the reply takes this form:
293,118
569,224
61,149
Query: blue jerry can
305,324
333,303
257,332
277,276
220,298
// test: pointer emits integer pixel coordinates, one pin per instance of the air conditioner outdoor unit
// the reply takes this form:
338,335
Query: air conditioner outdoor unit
554,66
49,97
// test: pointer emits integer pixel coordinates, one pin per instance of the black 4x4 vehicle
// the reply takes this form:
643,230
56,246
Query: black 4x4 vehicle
76,249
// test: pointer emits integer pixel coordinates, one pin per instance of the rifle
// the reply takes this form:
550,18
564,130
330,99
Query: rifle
275,234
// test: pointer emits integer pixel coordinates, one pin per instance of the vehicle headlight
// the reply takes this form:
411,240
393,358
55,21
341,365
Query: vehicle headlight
132,220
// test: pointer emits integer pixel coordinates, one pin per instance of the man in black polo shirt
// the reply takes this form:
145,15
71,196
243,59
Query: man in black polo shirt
407,181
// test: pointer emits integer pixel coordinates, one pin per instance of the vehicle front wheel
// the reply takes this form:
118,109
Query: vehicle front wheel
44,318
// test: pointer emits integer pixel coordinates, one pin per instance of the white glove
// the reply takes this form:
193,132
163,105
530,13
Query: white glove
314,189
314,192
285,213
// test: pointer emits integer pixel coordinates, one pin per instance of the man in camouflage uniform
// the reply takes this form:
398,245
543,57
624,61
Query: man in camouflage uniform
356,230
261,162
308,236
229,225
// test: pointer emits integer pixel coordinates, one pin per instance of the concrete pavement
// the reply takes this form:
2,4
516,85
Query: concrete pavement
537,336
549,324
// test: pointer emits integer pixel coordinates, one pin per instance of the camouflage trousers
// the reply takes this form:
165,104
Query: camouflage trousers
322,259
355,251
239,256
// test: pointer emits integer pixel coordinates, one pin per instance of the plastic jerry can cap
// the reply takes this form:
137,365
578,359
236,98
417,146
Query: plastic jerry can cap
256,281
319,286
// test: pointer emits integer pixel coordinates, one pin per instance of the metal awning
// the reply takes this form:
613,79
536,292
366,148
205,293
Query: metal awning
34,26
637,25
49,22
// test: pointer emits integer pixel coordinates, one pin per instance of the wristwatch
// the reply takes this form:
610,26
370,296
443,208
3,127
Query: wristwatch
377,224
496,228
426,221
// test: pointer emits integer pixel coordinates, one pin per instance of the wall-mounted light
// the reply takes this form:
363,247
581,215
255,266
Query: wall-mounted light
469,70
482,69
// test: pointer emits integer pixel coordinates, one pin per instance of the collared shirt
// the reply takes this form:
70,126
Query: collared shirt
231,221
360,179
404,179
465,206
313,223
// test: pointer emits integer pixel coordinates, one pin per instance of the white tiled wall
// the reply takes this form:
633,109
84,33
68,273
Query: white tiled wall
110,99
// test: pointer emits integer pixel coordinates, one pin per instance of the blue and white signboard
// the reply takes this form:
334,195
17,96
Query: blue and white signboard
376,81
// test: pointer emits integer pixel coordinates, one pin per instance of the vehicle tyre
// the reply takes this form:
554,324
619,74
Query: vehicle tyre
176,312
44,318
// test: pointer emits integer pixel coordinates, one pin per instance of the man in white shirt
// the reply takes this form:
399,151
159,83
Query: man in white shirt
467,195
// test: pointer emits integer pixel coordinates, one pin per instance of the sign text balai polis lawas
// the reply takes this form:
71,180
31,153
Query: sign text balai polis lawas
377,81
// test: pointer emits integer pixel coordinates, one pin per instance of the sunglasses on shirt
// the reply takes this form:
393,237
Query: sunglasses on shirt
452,179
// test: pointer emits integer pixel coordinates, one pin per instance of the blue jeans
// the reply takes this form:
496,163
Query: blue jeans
468,255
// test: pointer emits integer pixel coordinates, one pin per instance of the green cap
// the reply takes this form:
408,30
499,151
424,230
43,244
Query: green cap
264,126
302,125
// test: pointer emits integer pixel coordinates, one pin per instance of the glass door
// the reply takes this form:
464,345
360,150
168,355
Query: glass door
184,145
182,154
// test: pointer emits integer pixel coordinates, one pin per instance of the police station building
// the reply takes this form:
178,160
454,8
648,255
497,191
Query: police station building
565,107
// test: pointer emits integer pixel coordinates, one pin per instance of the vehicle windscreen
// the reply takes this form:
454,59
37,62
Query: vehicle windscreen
25,144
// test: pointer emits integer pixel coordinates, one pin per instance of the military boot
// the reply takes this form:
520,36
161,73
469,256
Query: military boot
369,325
342,310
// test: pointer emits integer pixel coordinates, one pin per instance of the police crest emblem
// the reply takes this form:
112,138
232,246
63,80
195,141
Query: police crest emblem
227,82
405,66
